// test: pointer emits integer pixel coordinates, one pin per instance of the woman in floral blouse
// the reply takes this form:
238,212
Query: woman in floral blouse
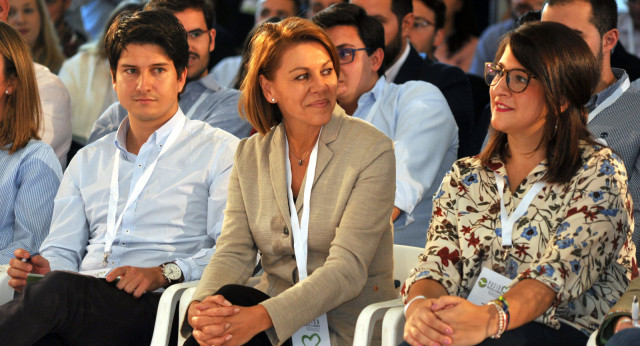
567,256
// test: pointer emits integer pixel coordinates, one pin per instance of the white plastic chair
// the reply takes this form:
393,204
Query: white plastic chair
166,311
6,292
404,258
184,305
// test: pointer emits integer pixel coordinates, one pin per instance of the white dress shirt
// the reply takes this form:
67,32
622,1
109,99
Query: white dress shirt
416,116
178,215
56,112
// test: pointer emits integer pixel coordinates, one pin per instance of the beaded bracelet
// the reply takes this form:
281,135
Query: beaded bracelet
501,320
505,307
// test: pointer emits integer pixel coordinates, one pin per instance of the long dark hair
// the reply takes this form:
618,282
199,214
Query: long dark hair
568,71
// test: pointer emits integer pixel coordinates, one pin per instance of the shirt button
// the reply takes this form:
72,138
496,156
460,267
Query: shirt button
139,165
113,263
124,244
285,230
127,231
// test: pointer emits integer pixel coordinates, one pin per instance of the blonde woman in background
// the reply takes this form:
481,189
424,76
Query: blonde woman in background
31,19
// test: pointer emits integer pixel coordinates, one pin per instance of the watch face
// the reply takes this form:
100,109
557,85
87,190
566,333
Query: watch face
172,271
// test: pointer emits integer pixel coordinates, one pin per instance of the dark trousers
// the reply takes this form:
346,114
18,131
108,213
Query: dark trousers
243,296
69,309
536,334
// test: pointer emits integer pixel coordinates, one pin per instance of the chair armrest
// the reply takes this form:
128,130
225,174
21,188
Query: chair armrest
166,311
184,306
368,318
6,292
393,326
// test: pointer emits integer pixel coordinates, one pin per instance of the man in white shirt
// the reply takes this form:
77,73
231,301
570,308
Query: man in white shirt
55,102
144,203
415,115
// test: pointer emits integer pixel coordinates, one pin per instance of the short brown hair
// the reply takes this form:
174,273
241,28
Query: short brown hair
267,46
568,71
22,113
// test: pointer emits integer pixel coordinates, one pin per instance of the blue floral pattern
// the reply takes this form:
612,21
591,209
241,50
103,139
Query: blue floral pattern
575,237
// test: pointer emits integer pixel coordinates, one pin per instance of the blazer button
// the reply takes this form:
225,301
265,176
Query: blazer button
285,230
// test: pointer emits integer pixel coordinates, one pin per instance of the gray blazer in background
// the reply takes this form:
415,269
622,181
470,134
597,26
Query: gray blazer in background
350,251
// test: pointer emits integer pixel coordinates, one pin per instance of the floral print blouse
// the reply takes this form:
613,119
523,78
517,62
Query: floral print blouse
574,237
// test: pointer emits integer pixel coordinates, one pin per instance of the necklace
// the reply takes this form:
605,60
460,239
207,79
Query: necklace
300,161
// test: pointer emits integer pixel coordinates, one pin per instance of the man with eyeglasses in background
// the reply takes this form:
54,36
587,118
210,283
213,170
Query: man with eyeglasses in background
427,32
415,115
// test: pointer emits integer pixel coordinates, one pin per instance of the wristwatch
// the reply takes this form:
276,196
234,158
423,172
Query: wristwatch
172,272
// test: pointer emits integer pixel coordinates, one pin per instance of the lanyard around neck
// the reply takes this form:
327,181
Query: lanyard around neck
509,221
610,100
300,229
114,195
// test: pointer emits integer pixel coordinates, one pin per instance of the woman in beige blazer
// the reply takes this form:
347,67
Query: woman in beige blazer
289,96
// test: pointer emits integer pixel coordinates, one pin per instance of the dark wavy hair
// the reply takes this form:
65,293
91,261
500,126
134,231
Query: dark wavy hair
568,71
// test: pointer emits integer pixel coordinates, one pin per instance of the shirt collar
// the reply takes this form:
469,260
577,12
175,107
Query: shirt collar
374,94
598,98
392,71
157,138
208,82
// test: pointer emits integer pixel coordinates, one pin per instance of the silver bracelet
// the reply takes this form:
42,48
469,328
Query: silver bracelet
406,306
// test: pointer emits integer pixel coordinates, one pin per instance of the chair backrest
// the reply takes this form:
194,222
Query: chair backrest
404,259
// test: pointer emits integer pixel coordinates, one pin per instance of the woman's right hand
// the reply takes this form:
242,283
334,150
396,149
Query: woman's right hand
208,318
423,327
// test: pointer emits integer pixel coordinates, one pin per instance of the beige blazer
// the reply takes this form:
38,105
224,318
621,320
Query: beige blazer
350,245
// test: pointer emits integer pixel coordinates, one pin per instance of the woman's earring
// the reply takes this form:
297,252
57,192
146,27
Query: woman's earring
6,92
273,100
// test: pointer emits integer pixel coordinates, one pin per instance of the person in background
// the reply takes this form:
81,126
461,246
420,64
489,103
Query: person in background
316,6
31,19
427,32
144,205
70,39
29,170
613,106
309,161
414,115
227,70
460,35
88,80
55,103
629,26
544,211
203,98
491,36
403,63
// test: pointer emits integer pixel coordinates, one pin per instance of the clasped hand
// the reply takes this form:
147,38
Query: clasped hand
448,320
215,321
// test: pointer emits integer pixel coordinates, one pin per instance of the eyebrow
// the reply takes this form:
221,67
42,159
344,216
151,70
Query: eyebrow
159,64
307,69
345,45
196,31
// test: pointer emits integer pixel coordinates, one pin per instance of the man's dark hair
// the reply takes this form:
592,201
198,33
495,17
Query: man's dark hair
604,13
529,17
401,8
180,5
158,27
439,8
370,30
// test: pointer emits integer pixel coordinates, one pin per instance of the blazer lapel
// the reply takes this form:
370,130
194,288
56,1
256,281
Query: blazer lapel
329,134
277,167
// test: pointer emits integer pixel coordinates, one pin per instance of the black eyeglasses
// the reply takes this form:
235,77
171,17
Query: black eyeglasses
517,79
346,55
420,22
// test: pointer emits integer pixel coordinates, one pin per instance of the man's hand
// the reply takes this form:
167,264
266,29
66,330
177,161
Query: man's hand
19,270
137,280
423,327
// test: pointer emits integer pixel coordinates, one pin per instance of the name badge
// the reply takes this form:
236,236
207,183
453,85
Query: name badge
316,333
489,286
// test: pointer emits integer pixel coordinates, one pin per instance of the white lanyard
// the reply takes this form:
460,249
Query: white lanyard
300,228
196,104
112,224
315,332
508,221
610,100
